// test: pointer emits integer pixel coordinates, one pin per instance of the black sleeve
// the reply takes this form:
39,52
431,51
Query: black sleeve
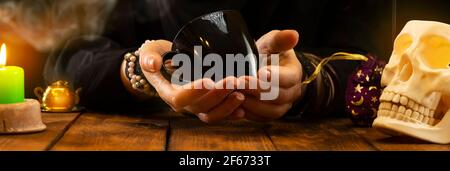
93,65
361,27
325,96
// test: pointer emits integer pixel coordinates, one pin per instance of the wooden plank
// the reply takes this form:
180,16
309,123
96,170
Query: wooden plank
190,134
93,131
398,143
57,124
323,135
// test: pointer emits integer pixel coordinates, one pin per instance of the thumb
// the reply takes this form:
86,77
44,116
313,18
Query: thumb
151,54
277,41
150,60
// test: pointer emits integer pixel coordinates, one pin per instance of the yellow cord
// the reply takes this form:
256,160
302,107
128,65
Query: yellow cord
334,57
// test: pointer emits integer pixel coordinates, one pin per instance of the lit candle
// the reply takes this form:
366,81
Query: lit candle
11,81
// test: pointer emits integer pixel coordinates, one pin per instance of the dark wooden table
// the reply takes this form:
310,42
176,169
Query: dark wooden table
172,131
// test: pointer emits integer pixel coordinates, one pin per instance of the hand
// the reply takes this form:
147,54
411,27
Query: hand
209,104
290,73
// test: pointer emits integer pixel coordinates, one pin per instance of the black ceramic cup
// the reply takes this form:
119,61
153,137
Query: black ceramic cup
220,33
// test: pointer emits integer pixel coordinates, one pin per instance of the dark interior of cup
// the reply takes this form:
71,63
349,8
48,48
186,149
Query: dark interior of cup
221,33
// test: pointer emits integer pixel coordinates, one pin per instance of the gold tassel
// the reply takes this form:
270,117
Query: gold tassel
334,57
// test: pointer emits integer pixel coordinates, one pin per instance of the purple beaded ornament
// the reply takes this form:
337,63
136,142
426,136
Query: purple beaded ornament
363,92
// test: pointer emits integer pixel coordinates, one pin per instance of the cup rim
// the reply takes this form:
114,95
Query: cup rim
196,18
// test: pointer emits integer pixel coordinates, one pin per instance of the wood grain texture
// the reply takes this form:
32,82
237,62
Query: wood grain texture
190,134
164,130
386,142
93,131
324,135
56,123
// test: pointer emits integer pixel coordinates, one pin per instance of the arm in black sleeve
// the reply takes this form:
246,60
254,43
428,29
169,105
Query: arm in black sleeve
93,65
352,26
325,96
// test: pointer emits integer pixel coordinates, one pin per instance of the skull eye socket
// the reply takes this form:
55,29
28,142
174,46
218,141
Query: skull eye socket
402,43
435,51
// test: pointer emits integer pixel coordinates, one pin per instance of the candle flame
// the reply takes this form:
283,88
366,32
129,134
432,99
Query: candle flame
3,55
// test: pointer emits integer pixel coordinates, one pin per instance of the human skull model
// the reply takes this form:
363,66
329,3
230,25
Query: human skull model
416,99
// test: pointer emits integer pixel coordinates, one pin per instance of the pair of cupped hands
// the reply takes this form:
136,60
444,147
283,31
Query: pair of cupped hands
217,104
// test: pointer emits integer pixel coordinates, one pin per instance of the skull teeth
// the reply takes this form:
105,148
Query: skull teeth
404,100
414,117
408,113
410,104
402,108
416,107
396,98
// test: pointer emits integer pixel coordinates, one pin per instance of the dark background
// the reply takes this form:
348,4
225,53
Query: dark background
392,17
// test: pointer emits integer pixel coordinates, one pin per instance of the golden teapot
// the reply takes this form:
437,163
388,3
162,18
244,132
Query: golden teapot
58,97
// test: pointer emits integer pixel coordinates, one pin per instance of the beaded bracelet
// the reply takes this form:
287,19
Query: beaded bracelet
134,73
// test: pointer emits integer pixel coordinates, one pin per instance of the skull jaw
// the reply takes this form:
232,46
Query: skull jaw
436,134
